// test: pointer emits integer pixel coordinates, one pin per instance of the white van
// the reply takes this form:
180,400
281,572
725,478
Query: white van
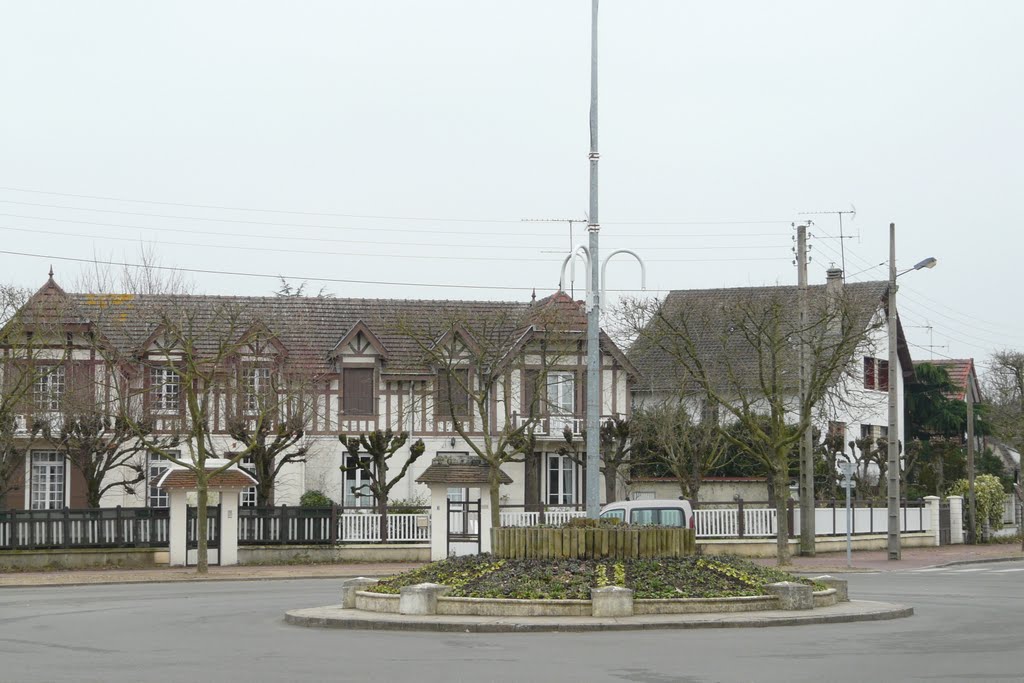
656,512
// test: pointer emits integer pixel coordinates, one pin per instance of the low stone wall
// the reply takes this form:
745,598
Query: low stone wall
766,547
82,558
322,554
591,543
489,607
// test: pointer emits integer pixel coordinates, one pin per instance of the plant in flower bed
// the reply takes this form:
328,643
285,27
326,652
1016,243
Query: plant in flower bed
483,576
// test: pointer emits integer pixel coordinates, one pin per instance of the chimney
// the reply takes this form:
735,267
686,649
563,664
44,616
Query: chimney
833,295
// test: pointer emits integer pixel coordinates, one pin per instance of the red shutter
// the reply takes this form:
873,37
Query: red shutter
869,373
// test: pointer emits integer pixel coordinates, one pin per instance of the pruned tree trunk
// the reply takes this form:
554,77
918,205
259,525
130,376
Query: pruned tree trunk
202,500
781,481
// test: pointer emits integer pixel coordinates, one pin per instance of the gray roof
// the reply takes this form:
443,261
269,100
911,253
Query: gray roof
710,318
309,328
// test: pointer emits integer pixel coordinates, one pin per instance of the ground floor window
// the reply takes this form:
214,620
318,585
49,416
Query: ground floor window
355,484
157,497
46,487
249,495
561,480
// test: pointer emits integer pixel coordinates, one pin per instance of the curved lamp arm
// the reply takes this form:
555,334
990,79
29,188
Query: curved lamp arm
581,252
643,268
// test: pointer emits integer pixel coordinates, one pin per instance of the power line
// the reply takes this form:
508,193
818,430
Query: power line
235,221
361,216
299,238
321,252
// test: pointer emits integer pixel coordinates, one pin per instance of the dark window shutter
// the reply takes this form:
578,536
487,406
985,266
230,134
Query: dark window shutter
358,391
883,375
530,381
869,373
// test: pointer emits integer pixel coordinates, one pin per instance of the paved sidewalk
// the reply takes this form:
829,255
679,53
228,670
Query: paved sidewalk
912,558
863,560
235,573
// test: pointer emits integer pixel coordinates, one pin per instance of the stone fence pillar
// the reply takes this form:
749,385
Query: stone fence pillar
931,504
956,519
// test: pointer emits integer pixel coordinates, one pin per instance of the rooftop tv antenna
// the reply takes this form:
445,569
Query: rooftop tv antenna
572,222
852,213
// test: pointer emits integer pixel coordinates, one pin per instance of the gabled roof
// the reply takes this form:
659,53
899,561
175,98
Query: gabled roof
309,328
359,328
962,375
710,315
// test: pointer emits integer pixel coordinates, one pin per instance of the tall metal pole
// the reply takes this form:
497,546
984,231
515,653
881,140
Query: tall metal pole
972,509
594,314
893,488
806,439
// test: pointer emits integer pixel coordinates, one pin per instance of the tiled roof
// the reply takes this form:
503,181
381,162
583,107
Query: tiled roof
176,478
959,371
464,470
710,316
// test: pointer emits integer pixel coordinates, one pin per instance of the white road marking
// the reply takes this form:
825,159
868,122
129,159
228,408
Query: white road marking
964,571
1007,571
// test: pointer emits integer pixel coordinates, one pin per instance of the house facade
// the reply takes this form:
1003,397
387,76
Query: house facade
729,340
325,366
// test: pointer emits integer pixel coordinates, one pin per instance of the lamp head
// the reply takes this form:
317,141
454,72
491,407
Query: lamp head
927,263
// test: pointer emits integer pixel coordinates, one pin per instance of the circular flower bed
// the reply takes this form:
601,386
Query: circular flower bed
484,576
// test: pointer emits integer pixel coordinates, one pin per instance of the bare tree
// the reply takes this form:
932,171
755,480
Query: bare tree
379,448
475,351
738,350
673,441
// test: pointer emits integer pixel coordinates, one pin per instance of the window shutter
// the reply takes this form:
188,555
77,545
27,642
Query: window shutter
530,380
358,391
869,373
883,375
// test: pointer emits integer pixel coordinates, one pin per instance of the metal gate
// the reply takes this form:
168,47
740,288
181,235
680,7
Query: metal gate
463,527
212,535
944,526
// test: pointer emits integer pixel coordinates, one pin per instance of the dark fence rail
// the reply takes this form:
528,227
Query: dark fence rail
89,528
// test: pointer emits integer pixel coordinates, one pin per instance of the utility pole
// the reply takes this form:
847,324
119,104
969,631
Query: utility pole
893,487
594,314
807,437
972,510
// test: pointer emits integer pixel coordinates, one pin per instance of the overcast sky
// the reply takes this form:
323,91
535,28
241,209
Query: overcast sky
405,141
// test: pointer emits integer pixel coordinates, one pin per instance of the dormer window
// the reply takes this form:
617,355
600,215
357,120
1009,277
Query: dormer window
48,389
452,394
357,391
165,389
256,388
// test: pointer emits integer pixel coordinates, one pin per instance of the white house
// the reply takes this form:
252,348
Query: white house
340,366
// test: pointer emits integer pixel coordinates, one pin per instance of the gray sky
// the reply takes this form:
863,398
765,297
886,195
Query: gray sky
404,141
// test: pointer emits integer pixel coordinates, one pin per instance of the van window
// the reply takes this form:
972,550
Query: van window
644,516
658,516
671,517
614,514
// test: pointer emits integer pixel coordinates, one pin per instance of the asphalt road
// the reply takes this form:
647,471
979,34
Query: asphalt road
969,626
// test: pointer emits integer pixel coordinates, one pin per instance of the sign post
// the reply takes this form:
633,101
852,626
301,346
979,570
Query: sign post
847,469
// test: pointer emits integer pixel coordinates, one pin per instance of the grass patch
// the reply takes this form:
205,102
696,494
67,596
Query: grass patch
483,576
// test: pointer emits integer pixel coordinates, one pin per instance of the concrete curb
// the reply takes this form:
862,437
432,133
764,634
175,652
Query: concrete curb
339,618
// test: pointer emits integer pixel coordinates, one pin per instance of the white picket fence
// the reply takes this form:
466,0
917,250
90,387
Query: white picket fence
521,518
760,522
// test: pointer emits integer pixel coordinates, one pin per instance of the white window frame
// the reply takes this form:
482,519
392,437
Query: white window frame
560,479
47,480
49,387
156,465
249,495
561,400
256,383
356,478
165,393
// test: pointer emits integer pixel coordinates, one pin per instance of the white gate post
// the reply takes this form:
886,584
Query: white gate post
177,531
956,519
932,504
438,522
485,521
229,526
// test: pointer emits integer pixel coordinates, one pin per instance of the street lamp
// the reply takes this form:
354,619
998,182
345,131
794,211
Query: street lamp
893,488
